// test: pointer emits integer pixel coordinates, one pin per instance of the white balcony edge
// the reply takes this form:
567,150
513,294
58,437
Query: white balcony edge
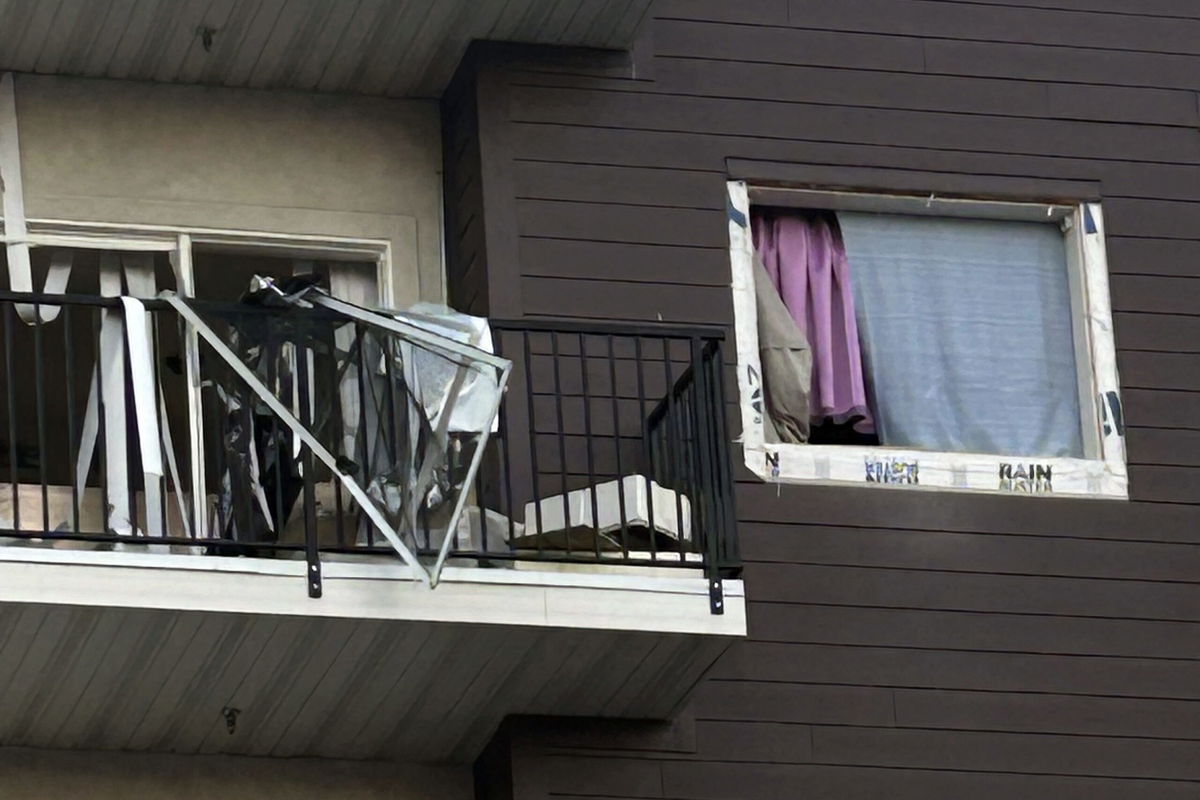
466,595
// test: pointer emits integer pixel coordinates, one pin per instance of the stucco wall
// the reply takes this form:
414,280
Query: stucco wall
27,774
290,162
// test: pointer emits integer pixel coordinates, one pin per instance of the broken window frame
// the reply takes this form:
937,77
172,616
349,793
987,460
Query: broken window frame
1101,473
178,242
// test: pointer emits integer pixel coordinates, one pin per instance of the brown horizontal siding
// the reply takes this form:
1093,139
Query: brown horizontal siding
902,644
716,780
985,593
940,709
960,21
914,511
974,631
870,126
1060,554
952,669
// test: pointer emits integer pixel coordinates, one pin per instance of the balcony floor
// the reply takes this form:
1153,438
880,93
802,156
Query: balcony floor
144,651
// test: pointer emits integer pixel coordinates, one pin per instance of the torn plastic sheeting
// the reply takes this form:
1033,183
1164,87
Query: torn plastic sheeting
474,405
20,272
443,360
414,457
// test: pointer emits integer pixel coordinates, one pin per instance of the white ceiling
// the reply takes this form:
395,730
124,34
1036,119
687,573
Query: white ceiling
397,48
159,680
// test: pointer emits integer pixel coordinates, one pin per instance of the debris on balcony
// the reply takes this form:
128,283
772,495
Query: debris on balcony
595,516
397,407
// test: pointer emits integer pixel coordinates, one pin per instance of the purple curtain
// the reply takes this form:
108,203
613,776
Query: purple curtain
805,259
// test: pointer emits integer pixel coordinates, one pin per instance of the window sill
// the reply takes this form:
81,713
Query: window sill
848,465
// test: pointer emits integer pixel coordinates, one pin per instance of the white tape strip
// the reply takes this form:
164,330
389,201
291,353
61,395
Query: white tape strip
20,269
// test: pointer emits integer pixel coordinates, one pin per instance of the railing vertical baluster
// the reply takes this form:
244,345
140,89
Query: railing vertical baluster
10,385
588,444
250,533
72,441
533,456
338,427
364,450
650,476
505,442
693,442
562,443
724,490
311,551
712,560
271,354
387,426
130,474
101,453
479,503
39,383
389,418
220,405
616,419
155,360
674,458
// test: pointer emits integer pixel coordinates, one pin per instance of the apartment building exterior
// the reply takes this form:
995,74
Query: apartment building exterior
915,518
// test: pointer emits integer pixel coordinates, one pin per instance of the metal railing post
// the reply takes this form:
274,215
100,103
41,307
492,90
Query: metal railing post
312,553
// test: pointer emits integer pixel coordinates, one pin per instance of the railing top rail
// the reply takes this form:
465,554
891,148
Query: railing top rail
215,307
616,328
541,324
36,298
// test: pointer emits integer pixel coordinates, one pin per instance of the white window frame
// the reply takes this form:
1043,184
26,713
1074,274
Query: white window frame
1101,473
179,243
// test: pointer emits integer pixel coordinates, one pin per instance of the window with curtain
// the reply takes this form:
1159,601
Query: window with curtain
930,333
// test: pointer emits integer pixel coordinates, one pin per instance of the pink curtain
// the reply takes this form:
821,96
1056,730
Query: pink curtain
805,259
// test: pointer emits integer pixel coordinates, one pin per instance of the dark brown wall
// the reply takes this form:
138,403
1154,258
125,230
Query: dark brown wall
902,644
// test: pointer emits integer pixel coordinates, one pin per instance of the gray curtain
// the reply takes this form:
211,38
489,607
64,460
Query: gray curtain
966,333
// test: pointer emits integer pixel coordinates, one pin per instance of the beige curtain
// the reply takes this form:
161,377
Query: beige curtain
786,364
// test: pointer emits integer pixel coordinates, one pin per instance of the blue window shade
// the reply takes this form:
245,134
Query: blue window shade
966,333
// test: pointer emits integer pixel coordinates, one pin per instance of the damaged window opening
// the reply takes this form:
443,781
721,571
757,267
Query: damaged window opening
925,342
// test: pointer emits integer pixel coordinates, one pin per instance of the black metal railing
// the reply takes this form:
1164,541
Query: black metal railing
610,447
612,439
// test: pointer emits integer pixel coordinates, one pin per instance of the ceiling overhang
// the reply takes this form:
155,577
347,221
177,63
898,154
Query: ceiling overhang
393,48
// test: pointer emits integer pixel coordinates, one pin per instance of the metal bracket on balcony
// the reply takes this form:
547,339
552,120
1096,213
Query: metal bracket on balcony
716,595
313,575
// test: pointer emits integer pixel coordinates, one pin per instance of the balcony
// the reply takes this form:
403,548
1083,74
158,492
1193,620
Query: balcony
293,526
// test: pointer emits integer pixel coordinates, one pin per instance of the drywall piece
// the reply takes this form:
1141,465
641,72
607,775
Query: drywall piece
142,375
140,283
646,506
19,270
353,286
111,381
